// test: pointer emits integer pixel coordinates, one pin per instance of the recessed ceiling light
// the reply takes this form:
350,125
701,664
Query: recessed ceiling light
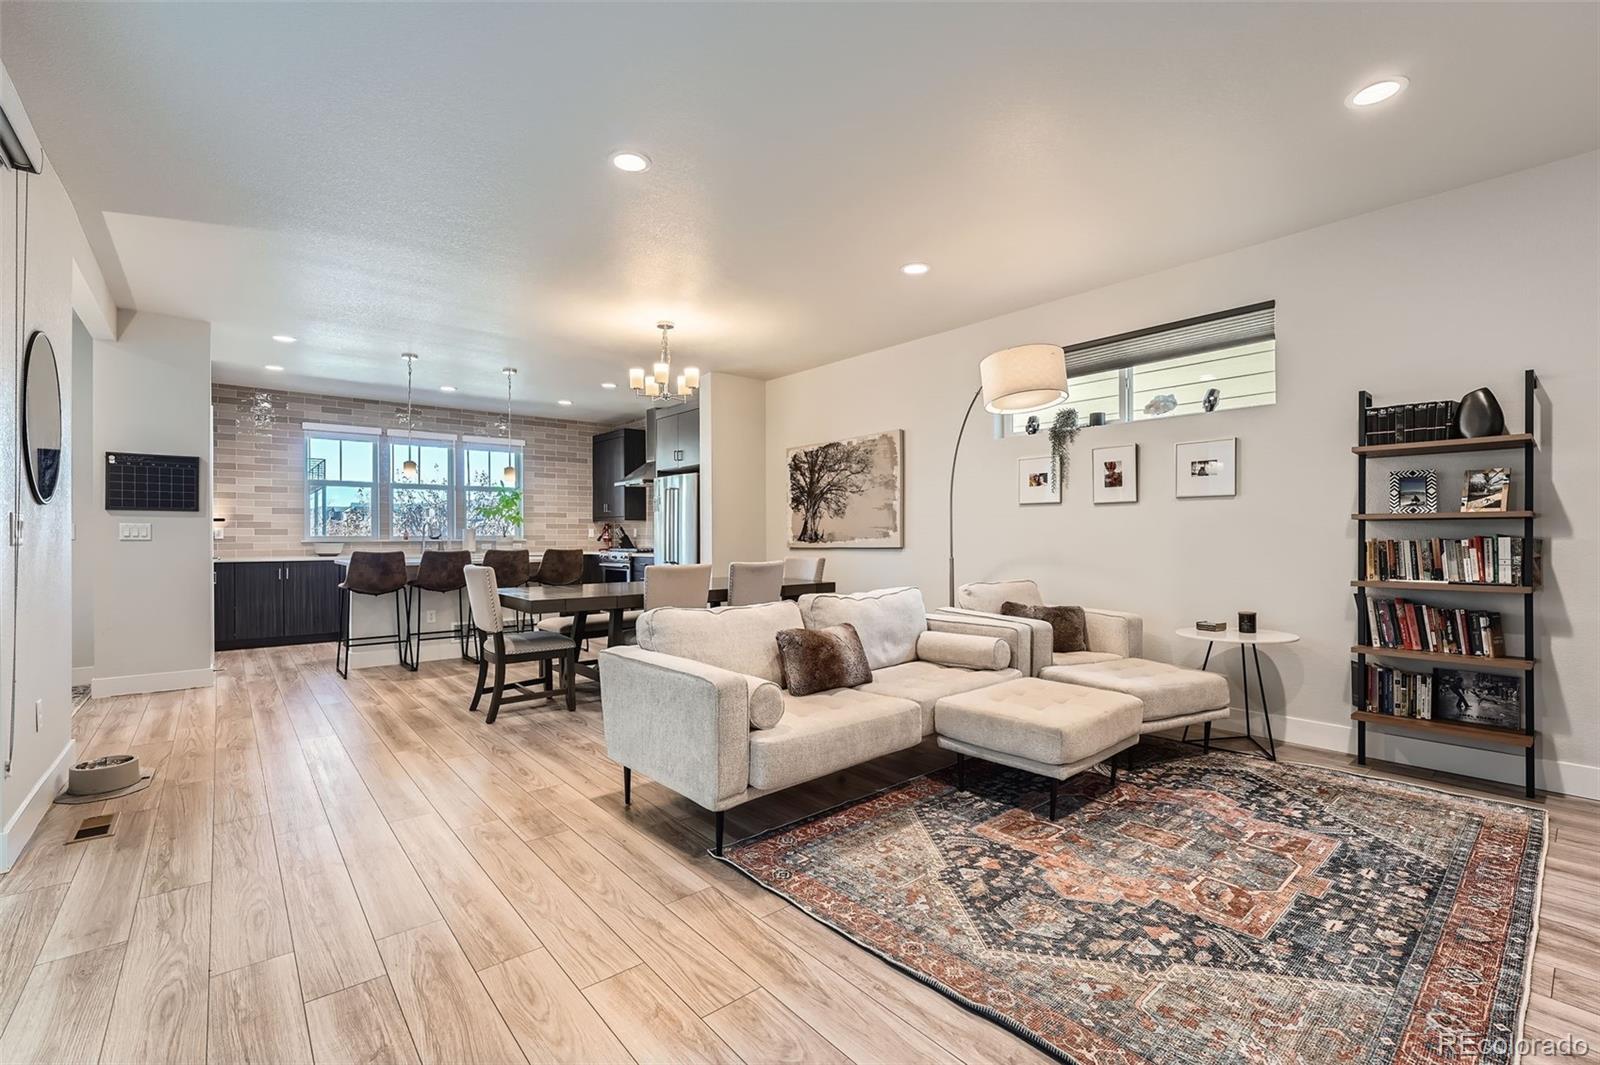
914,269
447,388
608,384
563,402
1377,92
274,369
283,338
632,162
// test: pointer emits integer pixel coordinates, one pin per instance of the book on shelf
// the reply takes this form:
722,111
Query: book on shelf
1401,625
1409,422
1469,560
1397,692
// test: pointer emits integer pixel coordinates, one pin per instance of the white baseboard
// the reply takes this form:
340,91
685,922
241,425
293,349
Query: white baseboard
1566,778
82,675
141,683
33,808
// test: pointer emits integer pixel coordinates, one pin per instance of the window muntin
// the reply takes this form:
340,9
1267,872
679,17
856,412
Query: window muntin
340,489
483,485
1088,393
420,504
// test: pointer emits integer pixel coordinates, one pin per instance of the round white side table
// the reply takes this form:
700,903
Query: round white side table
1254,641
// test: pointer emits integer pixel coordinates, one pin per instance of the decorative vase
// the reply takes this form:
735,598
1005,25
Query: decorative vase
1479,414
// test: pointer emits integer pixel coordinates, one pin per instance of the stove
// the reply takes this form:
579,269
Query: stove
616,566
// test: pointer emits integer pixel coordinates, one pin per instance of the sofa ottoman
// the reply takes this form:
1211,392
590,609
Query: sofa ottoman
1173,697
1044,727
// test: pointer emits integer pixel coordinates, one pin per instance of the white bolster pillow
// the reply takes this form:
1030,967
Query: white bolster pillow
964,650
766,703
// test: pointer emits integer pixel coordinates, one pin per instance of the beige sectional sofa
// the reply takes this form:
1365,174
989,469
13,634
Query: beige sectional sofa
1172,696
699,705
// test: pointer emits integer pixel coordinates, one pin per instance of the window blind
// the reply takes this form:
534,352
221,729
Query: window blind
1192,336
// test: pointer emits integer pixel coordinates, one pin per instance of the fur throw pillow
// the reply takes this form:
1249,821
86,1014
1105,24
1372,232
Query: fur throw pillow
819,660
1067,623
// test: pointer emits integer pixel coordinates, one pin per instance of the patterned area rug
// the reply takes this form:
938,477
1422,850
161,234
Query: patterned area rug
1209,908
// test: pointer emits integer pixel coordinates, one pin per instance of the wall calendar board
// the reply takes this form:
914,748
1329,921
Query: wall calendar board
152,482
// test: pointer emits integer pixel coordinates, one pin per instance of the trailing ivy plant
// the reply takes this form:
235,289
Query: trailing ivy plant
1063,431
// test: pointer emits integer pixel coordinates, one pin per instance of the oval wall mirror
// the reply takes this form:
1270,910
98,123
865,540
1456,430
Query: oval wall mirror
41,416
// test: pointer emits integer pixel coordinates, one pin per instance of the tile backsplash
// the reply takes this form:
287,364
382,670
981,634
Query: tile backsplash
260,478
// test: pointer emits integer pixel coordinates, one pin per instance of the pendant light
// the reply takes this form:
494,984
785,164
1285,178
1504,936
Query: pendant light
509,475
409,466
659,383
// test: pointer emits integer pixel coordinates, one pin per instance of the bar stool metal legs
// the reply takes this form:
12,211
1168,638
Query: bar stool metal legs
400,637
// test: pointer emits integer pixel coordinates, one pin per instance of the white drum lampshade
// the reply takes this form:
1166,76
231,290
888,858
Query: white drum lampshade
1024,379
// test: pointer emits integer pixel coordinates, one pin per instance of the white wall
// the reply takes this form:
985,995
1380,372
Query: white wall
84,503
733,422
1424,300
37,642
152,610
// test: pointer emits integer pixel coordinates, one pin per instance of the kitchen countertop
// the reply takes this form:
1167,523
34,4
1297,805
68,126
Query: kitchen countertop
477,556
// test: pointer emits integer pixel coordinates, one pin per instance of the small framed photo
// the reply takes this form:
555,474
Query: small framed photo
1487,489
1116,474
1207,468
1414,492
1474,698
1037,481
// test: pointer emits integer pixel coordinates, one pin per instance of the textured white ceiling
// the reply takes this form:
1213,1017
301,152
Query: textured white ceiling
378,177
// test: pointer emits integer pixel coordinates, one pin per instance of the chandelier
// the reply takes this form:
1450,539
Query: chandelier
509,475
256,414
409,466
659,385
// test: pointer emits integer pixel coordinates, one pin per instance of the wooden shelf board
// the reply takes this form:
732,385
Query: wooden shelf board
1446,586
1504,442
1507,737
1448,515
1462,661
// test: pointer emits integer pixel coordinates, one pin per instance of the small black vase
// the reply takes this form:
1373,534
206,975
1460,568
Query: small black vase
1480,415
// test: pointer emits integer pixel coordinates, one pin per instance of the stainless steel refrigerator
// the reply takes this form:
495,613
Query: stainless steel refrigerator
677,518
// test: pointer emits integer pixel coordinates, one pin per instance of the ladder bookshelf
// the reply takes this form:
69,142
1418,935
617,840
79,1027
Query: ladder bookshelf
1526,737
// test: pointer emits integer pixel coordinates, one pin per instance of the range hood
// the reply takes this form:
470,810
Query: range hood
645,473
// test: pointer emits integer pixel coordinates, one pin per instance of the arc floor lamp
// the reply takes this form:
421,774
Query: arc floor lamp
1017,380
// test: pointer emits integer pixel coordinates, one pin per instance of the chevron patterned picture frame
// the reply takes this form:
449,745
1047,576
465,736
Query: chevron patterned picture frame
1414,492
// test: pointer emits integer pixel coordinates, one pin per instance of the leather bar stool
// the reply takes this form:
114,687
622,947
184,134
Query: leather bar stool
445,572
561,565
512,569
371,573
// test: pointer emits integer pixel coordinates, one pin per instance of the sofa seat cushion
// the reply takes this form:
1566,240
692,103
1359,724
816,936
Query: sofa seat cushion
1167,691
1081,658
889,620
823,733
743,639
1041,721
925,683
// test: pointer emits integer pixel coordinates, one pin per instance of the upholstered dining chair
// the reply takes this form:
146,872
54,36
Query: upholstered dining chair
374,573
676,586
502,648
754,582
796,568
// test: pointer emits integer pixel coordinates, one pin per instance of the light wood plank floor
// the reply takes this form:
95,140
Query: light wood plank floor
337,870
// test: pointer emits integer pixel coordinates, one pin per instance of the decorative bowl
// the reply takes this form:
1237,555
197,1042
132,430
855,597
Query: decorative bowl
327,549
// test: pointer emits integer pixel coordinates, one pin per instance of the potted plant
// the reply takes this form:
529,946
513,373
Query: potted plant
498,516
1063,431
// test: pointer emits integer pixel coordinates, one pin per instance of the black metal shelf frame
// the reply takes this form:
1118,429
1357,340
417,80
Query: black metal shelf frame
1364,637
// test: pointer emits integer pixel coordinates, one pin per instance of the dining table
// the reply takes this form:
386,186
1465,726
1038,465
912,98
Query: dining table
614,598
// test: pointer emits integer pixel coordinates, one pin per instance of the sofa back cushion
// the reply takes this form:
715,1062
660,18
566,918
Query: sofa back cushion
743,639
889,620
989,596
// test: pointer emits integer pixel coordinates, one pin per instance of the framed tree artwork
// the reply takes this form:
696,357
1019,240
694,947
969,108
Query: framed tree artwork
848,493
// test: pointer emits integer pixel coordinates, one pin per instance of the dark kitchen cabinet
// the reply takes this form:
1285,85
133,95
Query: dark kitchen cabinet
616,454
639,563
264,604
678,441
